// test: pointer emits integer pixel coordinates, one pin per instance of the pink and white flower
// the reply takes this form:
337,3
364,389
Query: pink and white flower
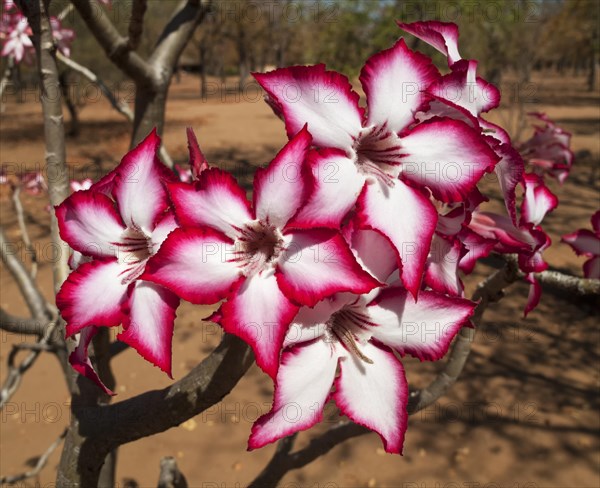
441,35
82,185
528,240
463,95
33,182
3,176
116,226
63,36
587,243
356,335
548,150
251,255
15,35
380,159
455,248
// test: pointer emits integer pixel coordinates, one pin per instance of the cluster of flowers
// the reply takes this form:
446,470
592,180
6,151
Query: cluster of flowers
347,257
548,152
548,149
15,34
34,183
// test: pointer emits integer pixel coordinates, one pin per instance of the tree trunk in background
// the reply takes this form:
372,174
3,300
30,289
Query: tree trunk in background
592,73
243,68
70,103
202,61
150,106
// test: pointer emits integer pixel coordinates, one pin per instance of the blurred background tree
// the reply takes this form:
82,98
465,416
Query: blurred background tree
512,38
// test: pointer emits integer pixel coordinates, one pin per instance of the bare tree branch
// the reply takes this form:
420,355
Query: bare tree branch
119,106
116,46
54,132
276,469
151,99
16,198
152,77
177,33
568,283
18,325
65,11
43,459
136,23
97,431
488,291
32,295
10,64
555,279
170,476
15,373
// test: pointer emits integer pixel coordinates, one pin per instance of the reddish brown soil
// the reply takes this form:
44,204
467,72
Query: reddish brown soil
524,414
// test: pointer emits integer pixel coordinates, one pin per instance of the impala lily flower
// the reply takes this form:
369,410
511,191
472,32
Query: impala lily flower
380,159
548,150
587,243
252,256
33,182
62,36
455,247
463,95
14,33
120,235
528,240
79,358
357,334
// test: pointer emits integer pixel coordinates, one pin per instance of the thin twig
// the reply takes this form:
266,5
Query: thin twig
16,198
65,11
569,284
18,325
35,346
119,106
560,281
136,23
31,293
170,476
10,64
114,44
54,132
15,373
43,459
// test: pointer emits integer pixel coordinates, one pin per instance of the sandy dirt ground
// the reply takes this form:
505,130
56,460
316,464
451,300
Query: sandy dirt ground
525,413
